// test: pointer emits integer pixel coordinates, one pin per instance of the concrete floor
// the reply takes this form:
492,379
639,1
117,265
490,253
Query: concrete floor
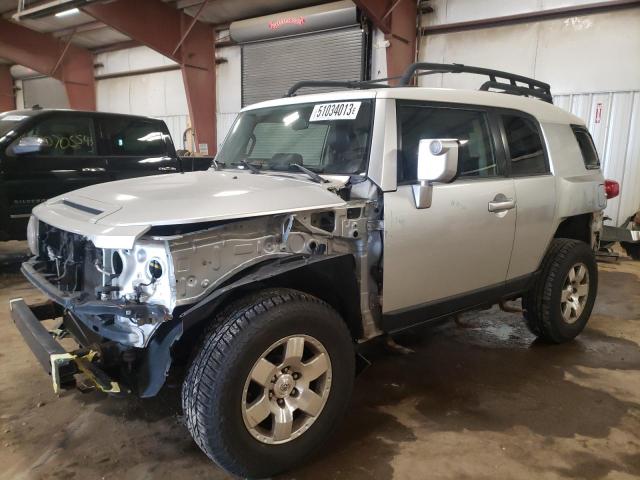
479,399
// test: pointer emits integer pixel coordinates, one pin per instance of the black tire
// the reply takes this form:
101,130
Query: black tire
542,304
212,393
632,249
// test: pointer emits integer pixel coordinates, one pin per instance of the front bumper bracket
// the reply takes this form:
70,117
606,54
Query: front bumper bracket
56,361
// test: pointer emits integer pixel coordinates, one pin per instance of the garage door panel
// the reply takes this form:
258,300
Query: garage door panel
271,67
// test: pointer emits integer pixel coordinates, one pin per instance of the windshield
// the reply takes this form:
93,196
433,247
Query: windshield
8,121
324,137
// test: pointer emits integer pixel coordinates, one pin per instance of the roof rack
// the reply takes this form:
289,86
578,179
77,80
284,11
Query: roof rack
513,86
341,84
532,87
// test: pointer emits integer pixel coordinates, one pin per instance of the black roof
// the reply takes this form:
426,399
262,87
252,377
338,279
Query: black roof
36,111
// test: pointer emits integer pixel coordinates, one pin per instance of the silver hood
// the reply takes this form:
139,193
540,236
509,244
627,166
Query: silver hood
114,214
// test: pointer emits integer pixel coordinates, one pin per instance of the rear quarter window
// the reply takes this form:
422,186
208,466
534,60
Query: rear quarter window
525,146
587,147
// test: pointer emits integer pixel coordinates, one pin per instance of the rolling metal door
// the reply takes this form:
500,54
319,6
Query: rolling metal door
269,68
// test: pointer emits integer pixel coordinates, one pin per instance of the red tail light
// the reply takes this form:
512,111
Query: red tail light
611,188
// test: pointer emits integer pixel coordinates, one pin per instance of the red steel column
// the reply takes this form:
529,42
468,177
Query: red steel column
163,29
7,95
47,55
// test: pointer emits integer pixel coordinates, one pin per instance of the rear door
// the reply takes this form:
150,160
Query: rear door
528,165
70,162
136,147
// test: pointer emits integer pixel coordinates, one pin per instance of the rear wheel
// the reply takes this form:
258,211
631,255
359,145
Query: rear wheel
559,305
632,249
272,379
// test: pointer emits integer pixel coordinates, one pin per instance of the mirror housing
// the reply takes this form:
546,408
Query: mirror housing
437,162
26,145
437,159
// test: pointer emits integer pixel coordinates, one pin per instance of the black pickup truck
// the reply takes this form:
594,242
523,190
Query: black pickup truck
44,153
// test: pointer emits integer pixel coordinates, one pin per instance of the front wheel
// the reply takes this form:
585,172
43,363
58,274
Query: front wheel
632,249
559,305
272,379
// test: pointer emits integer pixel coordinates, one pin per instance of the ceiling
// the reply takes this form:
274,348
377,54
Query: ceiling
95,35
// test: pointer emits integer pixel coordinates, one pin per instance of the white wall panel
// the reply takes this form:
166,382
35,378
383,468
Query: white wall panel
630,198
130,59
591,53
616,133
160,95
453,11
506,48
113,95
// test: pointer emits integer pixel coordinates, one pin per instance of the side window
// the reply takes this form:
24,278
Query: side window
587,147
126,136
476,158
65,136
525,146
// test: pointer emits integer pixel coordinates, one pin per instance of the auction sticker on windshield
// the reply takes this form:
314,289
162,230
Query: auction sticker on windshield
335,111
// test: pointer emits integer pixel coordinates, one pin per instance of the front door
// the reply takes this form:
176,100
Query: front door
461,245
70,161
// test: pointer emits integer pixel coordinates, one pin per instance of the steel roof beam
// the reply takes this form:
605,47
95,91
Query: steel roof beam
176,35
48,55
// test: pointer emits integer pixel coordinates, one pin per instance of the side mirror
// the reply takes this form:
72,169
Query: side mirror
437,162
28,145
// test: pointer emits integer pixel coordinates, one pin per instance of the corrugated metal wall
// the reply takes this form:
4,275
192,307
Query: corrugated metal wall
613,119
271,67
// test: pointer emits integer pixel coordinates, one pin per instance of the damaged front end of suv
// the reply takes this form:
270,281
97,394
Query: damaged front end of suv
133,269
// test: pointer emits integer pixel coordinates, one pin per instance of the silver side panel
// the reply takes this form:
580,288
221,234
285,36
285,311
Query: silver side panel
535,223
454,246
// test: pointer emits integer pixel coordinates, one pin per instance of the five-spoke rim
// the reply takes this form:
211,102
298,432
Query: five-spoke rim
574,292
286,389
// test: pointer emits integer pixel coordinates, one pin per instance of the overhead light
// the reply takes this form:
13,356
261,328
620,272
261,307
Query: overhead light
71,11
59,8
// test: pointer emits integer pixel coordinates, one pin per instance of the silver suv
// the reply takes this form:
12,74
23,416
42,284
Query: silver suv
327,220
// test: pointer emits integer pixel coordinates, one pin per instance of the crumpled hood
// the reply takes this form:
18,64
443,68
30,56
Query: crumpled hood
130,207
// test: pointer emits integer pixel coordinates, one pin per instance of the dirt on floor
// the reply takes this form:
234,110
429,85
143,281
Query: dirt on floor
479,398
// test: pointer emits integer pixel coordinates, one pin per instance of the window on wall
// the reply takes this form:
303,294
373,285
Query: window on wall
525,146
65,136
587,147
476,158
133,137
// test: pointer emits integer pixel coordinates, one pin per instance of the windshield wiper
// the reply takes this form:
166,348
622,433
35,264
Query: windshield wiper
314,176
248,166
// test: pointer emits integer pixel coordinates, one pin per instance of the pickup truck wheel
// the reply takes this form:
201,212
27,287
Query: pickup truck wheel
632,249
269,383
558,307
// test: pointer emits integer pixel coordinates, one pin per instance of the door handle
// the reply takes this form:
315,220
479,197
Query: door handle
167,169
501,203
93,169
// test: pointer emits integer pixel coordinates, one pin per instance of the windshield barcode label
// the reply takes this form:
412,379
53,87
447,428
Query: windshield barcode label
335,111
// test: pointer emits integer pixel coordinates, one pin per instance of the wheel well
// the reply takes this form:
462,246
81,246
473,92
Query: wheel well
332,280
577,227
